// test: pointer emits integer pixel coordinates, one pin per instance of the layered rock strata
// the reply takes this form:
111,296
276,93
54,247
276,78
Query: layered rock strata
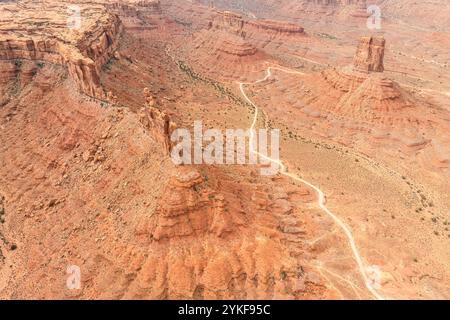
370,54
157,122
45,34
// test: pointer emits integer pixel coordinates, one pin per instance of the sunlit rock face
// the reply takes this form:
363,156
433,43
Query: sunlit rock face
43,31
370,54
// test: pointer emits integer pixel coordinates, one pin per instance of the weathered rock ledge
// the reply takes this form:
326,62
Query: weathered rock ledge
82,51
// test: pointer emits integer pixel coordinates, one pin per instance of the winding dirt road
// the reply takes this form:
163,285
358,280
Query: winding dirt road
321,196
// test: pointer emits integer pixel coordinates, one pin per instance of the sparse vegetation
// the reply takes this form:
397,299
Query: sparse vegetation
326,36
2,212
108,65
217,86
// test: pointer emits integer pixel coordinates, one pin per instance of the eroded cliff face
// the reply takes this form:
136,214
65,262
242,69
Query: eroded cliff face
138,10
235,47
370,54
96,188
361,91
249,28
157,122
45,36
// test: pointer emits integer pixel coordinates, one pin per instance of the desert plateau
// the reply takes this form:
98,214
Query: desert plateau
225,149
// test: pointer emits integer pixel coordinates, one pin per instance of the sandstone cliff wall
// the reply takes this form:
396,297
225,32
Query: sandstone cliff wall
370,54
235,23
83,60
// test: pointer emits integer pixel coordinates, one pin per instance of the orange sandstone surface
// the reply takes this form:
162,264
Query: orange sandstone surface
87,179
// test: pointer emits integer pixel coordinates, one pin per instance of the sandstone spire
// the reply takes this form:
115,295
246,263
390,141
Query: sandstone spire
157,122
370,54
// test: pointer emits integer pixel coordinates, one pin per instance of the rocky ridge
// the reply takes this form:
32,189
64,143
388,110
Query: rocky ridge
157,122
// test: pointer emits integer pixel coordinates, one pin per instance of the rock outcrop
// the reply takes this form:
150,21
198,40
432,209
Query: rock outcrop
2,209
190,208
276,27
219,54
361,10
83,51
136,8
370,54
156,122
251,30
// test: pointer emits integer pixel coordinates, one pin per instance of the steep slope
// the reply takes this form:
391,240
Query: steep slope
221,51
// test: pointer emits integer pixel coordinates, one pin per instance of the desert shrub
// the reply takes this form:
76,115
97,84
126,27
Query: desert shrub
18,63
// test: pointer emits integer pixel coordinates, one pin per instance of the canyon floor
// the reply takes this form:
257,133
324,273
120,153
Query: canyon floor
92,205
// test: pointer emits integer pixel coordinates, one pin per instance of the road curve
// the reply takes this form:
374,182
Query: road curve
321,196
